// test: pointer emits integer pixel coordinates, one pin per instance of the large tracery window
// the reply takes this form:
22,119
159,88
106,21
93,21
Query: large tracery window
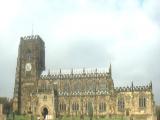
102,107
88,107
62,106
75,106
121,105
142,102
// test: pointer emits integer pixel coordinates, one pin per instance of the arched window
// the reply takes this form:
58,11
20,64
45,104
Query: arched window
77,86
86,107
28,55
102,107
102,85
75,106
66,86
62,107
92,85
121,104
90,108
142,102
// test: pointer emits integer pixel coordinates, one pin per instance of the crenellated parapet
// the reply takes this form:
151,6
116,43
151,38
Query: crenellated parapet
76,93
74,75
134,88
32,37
123,89
84,93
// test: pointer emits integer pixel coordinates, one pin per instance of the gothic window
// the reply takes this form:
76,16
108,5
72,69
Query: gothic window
28,55
121,105
86,107
92,85
66,86
102,86
77,86
62,106
89,107
43,86
102,107
142,102
75,106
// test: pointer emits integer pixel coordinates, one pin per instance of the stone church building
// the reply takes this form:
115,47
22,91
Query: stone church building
72,93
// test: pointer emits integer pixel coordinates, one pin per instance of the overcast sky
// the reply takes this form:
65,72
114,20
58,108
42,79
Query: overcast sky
85,33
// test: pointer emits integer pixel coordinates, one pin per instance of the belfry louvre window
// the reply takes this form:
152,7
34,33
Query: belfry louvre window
142,102
75,106
102,107
62,106
28,54
121,104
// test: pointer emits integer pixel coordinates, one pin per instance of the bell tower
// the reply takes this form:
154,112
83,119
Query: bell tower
30,64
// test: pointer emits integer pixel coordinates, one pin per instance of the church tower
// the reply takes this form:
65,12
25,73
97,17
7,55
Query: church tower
30,64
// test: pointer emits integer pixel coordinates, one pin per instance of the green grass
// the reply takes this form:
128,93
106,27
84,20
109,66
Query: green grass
20,117
87,118
25,117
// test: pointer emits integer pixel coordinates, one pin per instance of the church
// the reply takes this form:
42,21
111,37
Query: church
73,93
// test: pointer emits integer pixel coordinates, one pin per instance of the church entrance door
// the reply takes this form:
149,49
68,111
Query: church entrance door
45,112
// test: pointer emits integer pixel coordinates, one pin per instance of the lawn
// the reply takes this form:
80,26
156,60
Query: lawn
25,117
20,117
87,118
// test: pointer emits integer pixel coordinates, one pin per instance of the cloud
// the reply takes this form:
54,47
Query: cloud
131,34
86,33
8,11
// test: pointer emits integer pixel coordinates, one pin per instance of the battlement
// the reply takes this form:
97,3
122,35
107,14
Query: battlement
84,93
32,37
76,74
134,88
76,93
